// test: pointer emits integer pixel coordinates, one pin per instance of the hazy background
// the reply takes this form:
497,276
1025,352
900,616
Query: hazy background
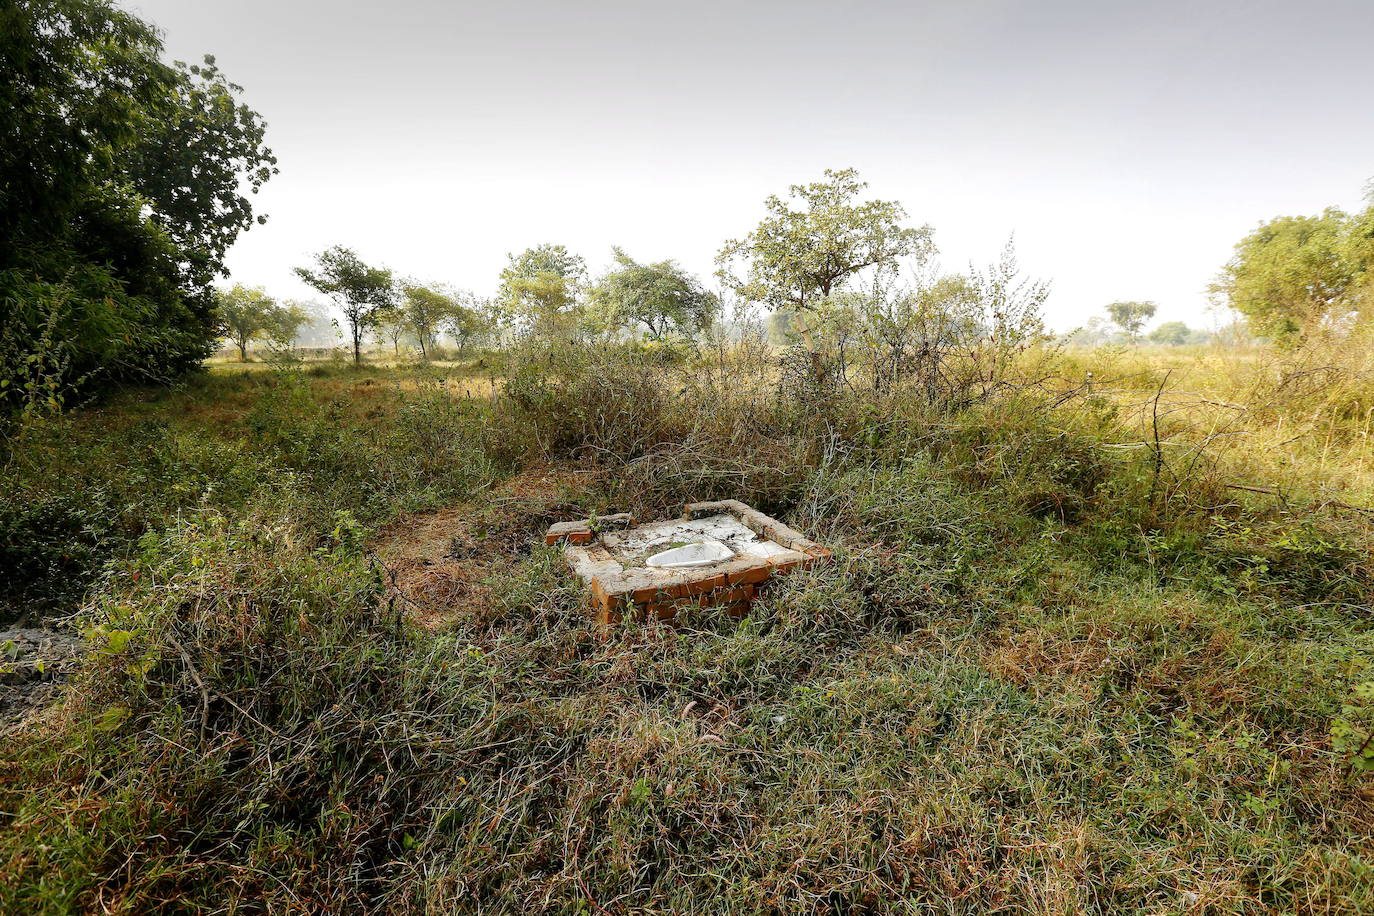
1127,145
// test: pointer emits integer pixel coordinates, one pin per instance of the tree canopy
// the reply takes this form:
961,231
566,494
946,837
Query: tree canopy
799,254
425,310
1295,274
248,313
541,285
1131,317
1171,333
123,181
662,297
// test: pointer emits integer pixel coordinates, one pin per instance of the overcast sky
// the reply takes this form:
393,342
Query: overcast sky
1127,145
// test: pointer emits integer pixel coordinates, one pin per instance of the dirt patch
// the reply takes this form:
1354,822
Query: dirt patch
439,562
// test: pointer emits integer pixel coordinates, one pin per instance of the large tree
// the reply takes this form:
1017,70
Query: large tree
811,244
1295,274
122,183
1172,334
661,296
362,293
472,320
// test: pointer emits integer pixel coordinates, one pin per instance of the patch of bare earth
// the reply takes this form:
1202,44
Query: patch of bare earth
439,562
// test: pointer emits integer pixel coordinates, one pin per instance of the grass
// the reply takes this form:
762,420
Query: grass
1058,665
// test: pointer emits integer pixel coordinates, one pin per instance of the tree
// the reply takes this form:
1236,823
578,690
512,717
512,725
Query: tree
247,313
796,257
390,324
541,285
361,292
471,321
291,316
424,310
662,297
194,187
1171,333
1131,316
1295,274
123,181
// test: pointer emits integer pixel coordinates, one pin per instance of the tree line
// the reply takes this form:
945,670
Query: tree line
124,180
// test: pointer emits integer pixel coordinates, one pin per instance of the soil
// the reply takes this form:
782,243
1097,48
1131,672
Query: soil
439,561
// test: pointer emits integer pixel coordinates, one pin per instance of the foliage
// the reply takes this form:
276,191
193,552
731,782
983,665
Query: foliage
248,313
1171,333
541,286
471,321
258,727
364,294
1296,275
1131,317
796,257
426,310
121,186
662,297
193,161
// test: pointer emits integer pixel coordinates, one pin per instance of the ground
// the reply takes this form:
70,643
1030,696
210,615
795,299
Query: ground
1059,662
438,561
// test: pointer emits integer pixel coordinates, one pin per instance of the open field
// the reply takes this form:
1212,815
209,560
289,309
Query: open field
1060,663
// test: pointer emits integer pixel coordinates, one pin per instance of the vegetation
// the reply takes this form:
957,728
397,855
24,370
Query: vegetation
1298,275
540,288
123,181
1131,317
796,258
364,295
1096,635
248,313
661,298
1059,663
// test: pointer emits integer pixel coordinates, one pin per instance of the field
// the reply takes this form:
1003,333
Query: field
1098,640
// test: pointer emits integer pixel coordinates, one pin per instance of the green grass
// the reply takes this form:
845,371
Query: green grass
1040,676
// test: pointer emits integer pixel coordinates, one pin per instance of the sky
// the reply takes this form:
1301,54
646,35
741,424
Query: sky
1127,146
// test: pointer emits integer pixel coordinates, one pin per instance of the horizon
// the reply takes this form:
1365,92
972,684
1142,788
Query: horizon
1125,155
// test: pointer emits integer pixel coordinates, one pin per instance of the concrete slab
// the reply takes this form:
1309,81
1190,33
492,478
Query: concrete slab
608,555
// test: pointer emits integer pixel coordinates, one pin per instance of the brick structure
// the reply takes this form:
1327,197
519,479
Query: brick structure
608,554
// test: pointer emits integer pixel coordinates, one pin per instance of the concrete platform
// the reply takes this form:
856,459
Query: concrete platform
609,555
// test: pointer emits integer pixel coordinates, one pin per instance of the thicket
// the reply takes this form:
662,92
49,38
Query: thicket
122,185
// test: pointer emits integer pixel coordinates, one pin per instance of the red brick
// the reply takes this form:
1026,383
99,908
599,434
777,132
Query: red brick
663,610
738,608
701,586
729,595
608,606
751,575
